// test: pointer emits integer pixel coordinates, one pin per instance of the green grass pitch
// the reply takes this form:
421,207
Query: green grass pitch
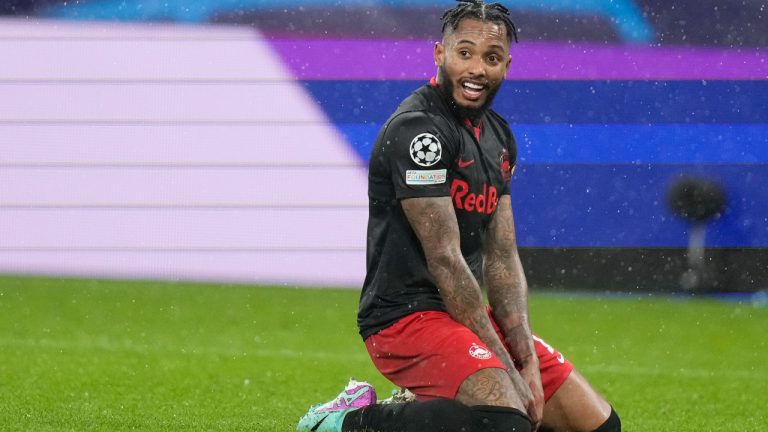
84,355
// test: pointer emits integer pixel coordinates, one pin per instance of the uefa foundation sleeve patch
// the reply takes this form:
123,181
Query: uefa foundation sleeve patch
425,177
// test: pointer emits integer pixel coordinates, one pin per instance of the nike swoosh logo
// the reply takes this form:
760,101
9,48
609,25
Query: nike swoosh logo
464,164
317,426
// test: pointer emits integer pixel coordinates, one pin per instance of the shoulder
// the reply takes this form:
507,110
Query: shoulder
423,108
415,139
499,121
408,125
501,126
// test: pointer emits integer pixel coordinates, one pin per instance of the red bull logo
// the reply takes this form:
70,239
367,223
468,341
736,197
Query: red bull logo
485,202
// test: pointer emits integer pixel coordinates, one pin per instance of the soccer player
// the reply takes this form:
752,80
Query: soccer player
440,225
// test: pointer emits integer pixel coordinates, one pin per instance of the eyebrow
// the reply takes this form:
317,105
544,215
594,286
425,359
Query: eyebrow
467,41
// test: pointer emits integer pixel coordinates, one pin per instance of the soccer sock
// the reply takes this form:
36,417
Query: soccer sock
613,424
489,418
439,415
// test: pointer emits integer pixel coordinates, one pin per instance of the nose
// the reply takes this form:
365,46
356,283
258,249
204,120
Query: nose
477,67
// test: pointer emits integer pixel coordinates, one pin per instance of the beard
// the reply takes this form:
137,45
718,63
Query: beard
472,113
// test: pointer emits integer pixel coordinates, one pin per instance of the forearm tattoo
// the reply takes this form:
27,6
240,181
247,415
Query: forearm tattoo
434,222
506,284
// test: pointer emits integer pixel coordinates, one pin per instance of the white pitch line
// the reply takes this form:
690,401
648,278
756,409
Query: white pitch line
760,374
125,346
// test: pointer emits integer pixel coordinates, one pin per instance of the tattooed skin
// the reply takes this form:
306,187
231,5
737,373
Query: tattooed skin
506,285
487,389
508,296
434,222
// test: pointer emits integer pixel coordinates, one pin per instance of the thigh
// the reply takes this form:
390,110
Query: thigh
430,354
575,406
554,367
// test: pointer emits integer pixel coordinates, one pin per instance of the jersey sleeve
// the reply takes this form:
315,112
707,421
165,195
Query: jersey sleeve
419,153
511,147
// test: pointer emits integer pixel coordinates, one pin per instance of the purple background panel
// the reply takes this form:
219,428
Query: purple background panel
321,59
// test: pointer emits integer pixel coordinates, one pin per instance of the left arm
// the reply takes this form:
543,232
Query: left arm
508,295
507,287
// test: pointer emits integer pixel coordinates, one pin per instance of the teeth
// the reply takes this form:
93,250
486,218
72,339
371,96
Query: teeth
473,86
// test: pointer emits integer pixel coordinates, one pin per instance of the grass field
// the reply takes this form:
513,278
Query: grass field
87,355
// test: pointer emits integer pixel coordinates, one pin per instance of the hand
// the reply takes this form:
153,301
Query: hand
527,398
532,377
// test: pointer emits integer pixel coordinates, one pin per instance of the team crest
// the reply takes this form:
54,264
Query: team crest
506,166
426,150
479,352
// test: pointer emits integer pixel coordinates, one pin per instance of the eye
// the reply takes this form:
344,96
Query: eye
464,53
493,58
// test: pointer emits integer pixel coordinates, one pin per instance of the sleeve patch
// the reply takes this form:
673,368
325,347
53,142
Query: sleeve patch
426,150
425,177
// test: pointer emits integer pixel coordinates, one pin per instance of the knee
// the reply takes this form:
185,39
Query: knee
487,418
612,424
490,386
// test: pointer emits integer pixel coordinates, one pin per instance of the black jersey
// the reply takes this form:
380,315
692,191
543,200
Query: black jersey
425,150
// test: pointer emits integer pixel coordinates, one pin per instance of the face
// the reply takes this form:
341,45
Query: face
472,62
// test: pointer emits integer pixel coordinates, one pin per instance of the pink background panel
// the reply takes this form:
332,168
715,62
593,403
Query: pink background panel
137,229
266,144
171,152
56,50
314,268
192,186
147,103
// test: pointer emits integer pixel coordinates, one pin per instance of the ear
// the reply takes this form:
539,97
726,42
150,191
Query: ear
506,66
439,54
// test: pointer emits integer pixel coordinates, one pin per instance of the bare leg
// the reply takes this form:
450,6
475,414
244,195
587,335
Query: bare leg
575,407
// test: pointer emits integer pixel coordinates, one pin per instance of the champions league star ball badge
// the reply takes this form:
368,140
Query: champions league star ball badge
426,150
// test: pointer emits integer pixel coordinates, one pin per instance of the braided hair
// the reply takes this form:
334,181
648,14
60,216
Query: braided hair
482,11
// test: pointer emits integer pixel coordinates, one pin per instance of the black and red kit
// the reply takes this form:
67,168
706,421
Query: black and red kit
426,150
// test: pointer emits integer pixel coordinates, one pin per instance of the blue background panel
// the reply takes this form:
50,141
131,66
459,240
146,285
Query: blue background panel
597,158
606,205
569,102
618,143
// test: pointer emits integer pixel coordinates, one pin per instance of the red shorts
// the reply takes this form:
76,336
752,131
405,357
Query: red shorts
431,355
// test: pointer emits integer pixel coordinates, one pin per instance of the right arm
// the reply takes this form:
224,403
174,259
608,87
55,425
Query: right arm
434,221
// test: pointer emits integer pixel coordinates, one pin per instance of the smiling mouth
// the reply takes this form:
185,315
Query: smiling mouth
472,90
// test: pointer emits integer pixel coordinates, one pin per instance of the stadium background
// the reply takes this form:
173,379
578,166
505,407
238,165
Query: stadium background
227,140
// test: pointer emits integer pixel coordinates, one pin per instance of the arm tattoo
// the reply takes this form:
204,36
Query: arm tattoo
506,284
434,222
